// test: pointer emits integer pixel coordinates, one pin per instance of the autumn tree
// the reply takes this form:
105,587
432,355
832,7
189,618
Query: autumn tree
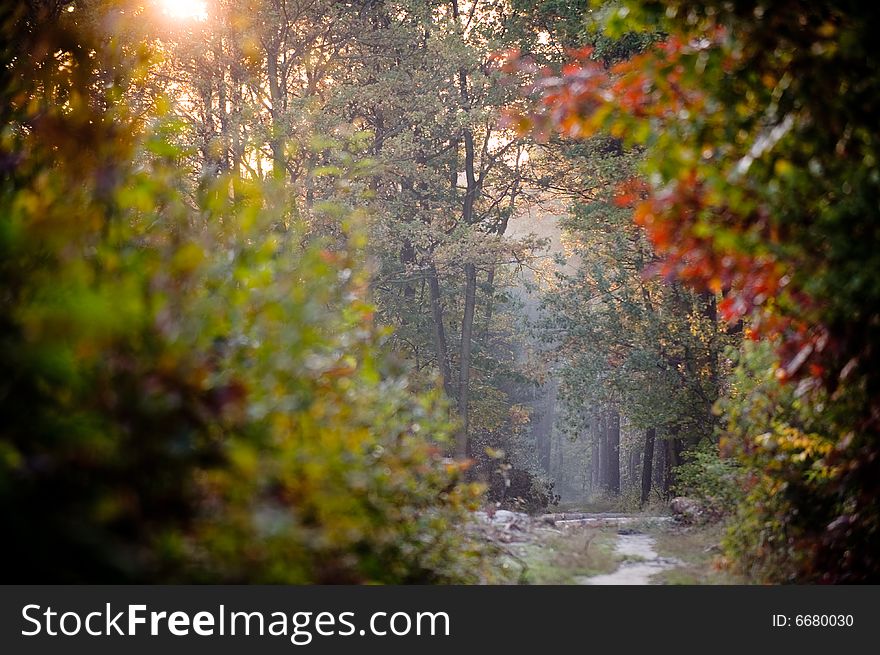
761,148
390,106
424,83
194,389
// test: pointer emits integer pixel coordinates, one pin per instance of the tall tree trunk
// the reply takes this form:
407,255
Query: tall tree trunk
710,310
595,455
603,451
276,142
464,359
673,451
660,464
470,269
222,110
614,451
560,460
630,468
236,145
648,463
470,297
543,427
543,446
440,348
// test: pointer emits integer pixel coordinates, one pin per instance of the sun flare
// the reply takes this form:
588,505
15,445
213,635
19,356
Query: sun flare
185,9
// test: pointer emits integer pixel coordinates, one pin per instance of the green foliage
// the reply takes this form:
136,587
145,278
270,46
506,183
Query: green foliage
191,392
426,88
714,480
520,489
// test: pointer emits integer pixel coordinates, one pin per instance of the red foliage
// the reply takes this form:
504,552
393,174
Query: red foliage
680,220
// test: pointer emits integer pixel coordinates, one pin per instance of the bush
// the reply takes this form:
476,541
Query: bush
715,481
521,490
190,393
798,520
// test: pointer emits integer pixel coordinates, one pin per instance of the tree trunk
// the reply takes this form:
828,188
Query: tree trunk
543,427
470,299
439,332
602,433
470,275
614,452
276,141
236,145
595,456
648,463
560,461
222,111
630,468
464,370
407,259
673,450
660,464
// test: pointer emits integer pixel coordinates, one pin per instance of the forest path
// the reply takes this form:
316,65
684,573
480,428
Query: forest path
640,562
604,548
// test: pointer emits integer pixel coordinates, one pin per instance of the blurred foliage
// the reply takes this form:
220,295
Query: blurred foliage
191,391
790,481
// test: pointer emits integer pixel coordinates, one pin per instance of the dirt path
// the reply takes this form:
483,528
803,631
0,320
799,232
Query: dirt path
602,548
640,562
